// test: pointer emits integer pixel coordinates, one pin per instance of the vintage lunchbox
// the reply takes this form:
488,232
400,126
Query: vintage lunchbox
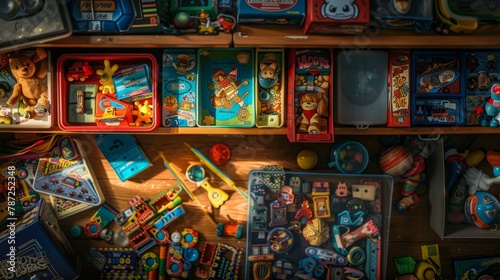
179,78
225,88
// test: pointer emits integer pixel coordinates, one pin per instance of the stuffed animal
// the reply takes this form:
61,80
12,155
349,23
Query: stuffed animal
29,74
314,105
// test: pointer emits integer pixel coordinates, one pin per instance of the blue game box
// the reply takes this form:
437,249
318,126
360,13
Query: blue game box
33,246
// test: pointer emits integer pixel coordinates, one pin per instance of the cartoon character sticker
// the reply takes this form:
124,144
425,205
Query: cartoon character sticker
340,9
226,89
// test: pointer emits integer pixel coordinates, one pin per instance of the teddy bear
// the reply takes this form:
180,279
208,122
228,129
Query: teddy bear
30,86
313,105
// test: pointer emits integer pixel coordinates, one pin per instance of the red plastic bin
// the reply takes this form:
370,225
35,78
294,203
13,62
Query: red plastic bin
84,76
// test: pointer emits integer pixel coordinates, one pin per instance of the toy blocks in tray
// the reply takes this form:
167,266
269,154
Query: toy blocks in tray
107,92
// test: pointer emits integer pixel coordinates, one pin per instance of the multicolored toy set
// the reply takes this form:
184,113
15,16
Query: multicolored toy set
107,92
293,231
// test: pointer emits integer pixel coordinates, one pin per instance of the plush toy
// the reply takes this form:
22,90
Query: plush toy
29,74
144,113
314,105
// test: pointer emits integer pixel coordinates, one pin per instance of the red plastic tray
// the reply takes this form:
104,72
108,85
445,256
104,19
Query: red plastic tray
68,122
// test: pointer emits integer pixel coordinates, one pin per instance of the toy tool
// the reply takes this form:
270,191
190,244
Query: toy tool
215,169
196,174
183,184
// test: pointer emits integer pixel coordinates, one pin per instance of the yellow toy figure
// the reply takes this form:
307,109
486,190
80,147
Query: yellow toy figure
144,113
107,77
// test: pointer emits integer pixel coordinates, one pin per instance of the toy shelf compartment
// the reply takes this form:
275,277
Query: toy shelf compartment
79,72
298,221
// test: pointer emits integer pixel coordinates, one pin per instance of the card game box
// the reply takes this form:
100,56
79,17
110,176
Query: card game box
337,17
403,14
399,88
280,12
226,88
33,246
179,78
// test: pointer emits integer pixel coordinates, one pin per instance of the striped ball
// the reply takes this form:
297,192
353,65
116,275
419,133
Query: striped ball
396,160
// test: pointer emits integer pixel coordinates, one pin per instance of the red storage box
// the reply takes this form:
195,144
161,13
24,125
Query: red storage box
107,92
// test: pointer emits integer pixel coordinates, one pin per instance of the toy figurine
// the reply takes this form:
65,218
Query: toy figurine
106,79
491,108
143,113
30,86
314,105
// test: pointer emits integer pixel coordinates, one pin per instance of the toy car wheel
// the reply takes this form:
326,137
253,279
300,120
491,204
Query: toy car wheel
70,79
220,229
239,232
429,274
34,199
26,203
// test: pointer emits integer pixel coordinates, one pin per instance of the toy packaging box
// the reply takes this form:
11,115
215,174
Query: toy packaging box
225,88
153,17
26,23
310,106
270,87
476,267
399,88
193,7
124,154
26,89
301,222
481,70
102,16
481,11
337,17
404,14
107,92
438,97
39,249
179,79
280,12
67,174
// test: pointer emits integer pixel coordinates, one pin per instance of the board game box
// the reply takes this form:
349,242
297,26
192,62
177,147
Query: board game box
67,174
225,88
476,267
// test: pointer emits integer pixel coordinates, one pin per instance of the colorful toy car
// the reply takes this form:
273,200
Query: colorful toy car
79,71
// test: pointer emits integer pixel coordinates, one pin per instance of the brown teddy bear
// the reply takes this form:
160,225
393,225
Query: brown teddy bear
29,74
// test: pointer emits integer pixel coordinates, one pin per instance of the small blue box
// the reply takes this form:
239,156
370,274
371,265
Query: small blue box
179,78
37,248
404,14
281,12
438,112
124,154
133,83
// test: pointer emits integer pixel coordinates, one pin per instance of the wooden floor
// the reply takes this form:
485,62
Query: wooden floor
408,231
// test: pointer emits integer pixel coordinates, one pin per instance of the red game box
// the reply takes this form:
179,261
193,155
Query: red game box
337,17
399,88
310,106
92,89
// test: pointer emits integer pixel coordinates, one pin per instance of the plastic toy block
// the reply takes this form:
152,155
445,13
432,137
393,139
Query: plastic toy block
124,154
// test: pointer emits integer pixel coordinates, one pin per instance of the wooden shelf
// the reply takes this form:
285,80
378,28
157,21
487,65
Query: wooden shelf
346,131
294,37
222,40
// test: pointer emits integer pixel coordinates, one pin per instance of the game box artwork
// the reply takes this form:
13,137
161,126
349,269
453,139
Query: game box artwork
226,88
67,174
40,250
481,267
179,87
270,85
337,16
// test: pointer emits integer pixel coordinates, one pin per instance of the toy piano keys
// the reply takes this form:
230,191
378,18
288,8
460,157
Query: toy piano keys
317,225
